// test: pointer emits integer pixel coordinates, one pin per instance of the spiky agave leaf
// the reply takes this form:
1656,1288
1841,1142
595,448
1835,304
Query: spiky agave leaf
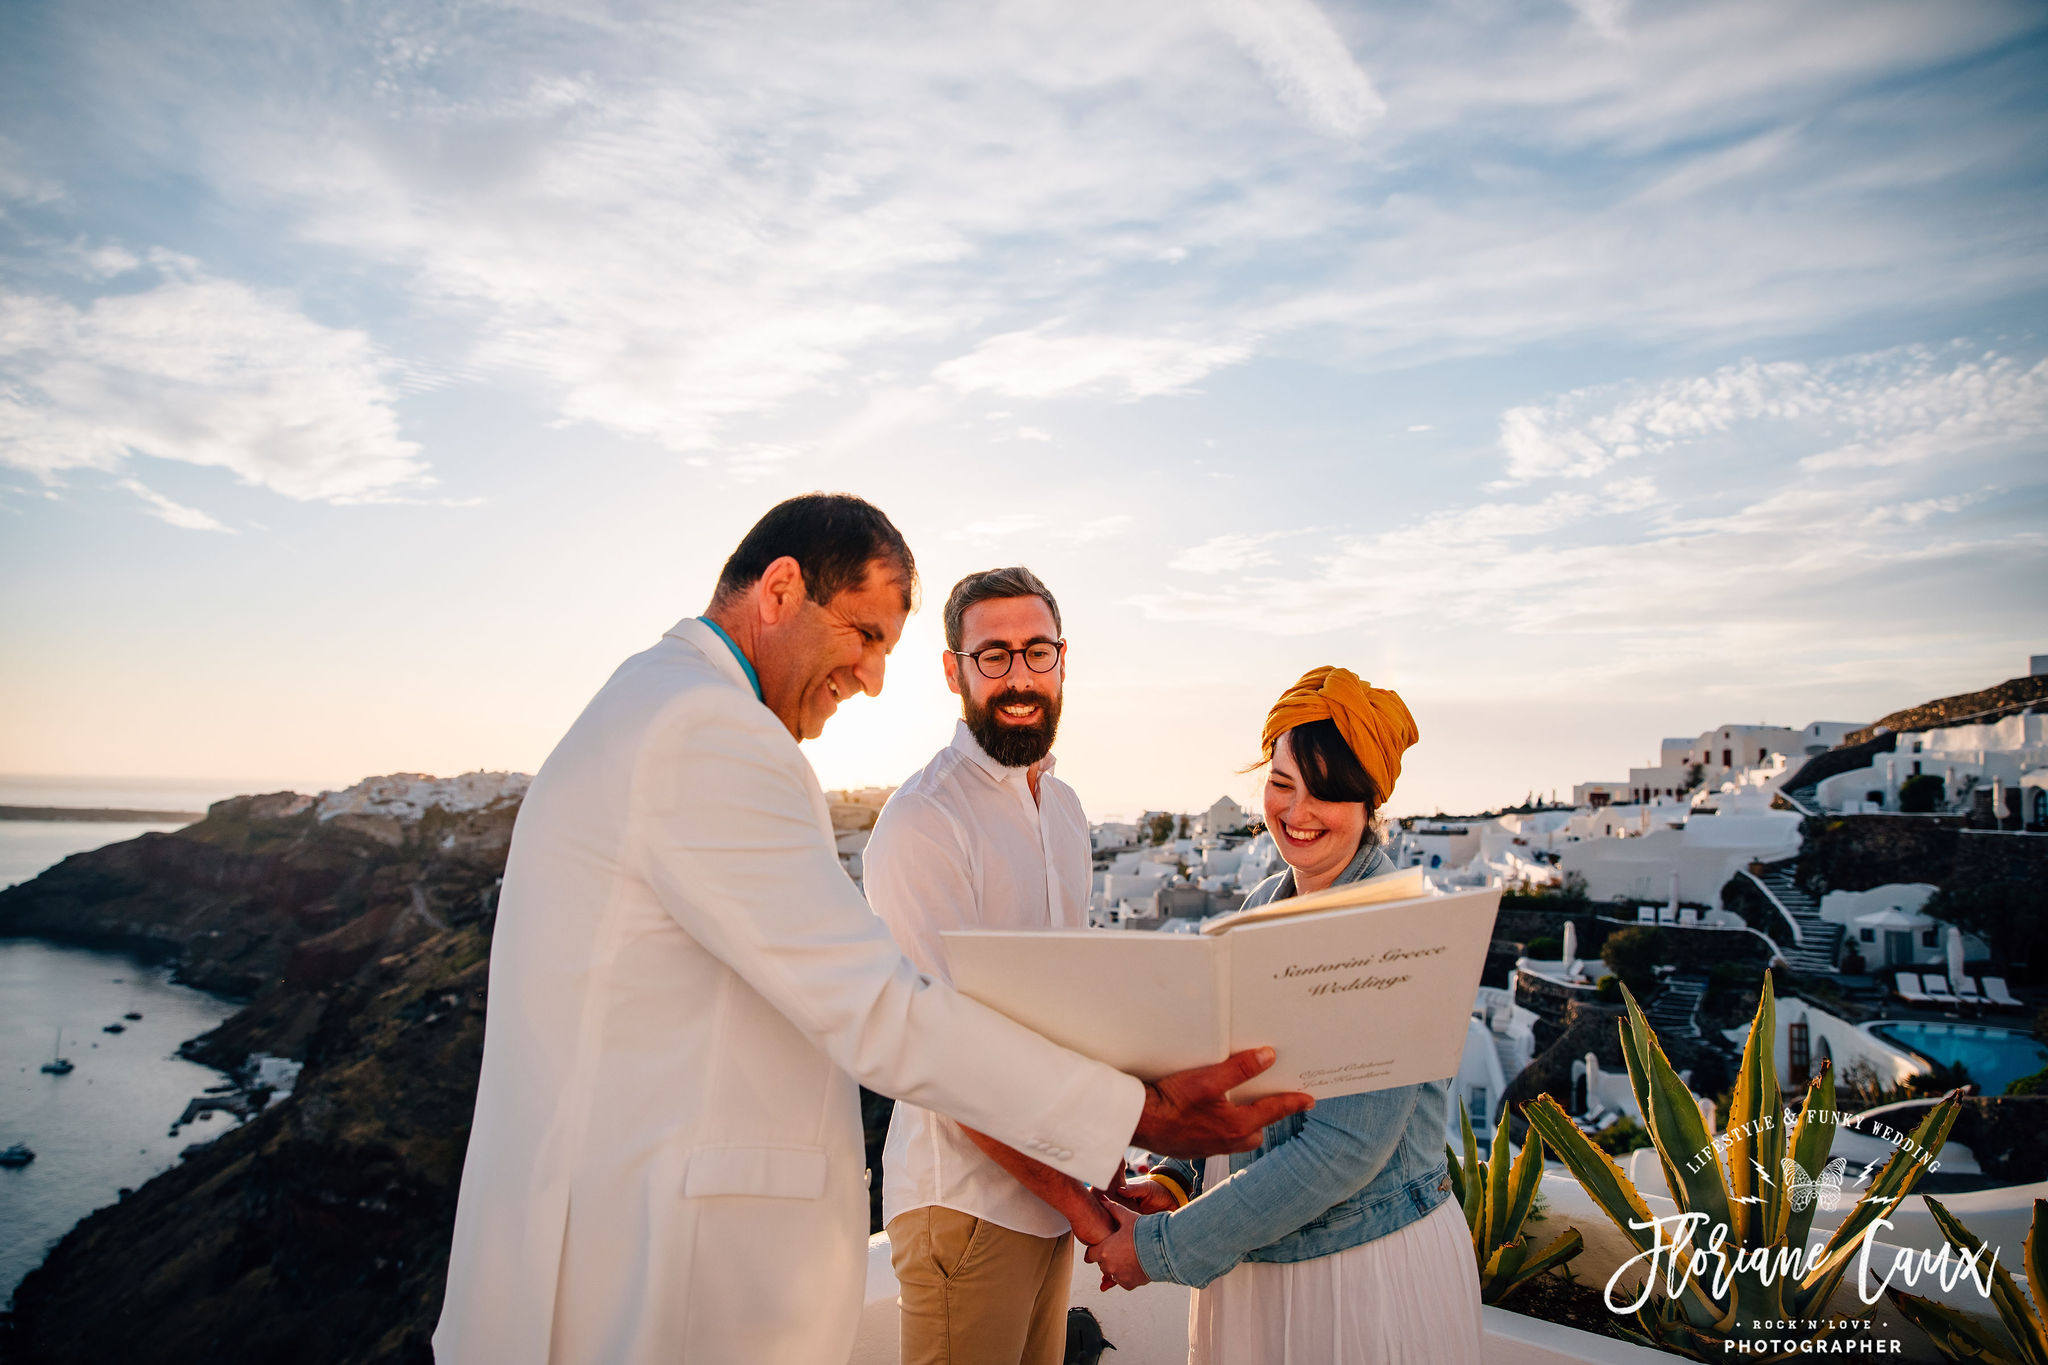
2034,1256
1679,1133
1961,1336
1562,1248
1676,1125
1894,1182
1475,1172
1523,1181
1614,1192
1498,1233
1955,1334
1455,1167
1812,1140
1756,1094
1499,1272
2013,1308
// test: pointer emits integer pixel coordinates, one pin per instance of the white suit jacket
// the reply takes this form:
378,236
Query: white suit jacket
666,1162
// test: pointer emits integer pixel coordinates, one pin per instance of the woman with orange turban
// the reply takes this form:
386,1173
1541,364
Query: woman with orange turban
1337,1241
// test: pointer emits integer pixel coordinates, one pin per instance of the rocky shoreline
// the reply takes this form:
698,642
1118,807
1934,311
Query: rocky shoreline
357,933
356,930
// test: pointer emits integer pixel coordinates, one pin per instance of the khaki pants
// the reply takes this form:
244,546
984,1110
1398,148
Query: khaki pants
975,1293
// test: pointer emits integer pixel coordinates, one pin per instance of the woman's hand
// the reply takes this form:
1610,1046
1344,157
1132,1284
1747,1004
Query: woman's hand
1118,1254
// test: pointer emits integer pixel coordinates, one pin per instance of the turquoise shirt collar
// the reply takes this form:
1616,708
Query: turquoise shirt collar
753,678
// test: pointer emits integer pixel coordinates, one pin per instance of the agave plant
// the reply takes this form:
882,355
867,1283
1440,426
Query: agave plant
1959,1336
1740,1182
1497,1198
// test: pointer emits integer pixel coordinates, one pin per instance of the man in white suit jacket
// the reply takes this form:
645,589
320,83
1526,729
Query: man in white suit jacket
666,1160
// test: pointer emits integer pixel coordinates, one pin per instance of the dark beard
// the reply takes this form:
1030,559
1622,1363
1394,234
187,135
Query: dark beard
1013,746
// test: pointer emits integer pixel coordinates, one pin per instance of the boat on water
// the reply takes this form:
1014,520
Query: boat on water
115,1028
59,1064
132,1014
17,1155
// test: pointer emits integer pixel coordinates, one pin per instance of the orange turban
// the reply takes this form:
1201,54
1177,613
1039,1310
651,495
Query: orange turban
1373,720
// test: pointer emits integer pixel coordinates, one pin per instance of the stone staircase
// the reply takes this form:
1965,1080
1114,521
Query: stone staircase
1819,941
1805,797
1675,1011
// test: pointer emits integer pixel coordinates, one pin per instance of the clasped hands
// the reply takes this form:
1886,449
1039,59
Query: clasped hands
1189,1115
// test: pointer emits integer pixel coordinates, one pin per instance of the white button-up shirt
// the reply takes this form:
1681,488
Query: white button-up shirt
961,845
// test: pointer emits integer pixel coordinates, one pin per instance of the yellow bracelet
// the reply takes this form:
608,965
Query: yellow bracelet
1172,1187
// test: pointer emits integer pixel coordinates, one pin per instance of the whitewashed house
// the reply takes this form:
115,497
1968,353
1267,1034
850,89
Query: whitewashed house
2004,752
1702,854
1223,817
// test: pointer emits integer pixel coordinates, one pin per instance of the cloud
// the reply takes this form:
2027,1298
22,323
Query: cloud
1896,406
1224,554
1603,16
1095,528
996,528
19,185
1305,59
1724,539
1040,363
176,514
694,225
206,372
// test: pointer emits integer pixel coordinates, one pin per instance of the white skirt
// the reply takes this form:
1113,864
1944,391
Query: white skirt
1411,1296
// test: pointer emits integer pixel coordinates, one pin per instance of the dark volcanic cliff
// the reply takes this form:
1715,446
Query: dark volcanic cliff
318,1232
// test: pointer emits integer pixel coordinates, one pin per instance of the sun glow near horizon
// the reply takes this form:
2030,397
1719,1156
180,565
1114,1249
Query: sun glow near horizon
374,385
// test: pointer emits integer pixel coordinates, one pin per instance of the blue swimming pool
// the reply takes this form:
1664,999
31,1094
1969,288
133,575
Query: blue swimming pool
1994,1057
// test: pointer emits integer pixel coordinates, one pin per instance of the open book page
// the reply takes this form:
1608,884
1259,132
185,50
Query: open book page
1147,1004
1364,998
1395,886
1361,999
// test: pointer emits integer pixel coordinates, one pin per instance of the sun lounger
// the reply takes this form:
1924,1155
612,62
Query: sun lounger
1937,990
1997,994
1646,914
1966,990
1909,988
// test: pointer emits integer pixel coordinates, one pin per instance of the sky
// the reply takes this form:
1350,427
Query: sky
374,378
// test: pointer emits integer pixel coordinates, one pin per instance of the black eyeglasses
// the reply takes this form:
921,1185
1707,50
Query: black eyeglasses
1040,656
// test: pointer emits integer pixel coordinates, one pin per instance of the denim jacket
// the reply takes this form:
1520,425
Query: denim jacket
1352,1169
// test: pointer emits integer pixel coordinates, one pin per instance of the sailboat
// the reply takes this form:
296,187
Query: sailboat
59,1065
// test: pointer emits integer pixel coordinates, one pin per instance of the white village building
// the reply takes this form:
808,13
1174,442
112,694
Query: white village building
2008,753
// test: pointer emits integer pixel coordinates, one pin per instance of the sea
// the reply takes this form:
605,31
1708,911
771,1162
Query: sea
106,1125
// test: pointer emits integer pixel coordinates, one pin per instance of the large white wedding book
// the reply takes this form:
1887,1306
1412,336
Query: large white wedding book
1361,987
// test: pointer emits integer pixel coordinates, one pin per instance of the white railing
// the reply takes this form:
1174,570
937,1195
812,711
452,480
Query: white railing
1783,913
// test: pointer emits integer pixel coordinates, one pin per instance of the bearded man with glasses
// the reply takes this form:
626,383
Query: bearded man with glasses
984,836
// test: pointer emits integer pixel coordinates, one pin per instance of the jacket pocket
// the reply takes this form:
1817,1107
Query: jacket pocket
764,1172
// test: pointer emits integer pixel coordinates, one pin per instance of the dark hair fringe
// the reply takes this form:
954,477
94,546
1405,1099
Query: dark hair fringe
1329,769
833,537
988,586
